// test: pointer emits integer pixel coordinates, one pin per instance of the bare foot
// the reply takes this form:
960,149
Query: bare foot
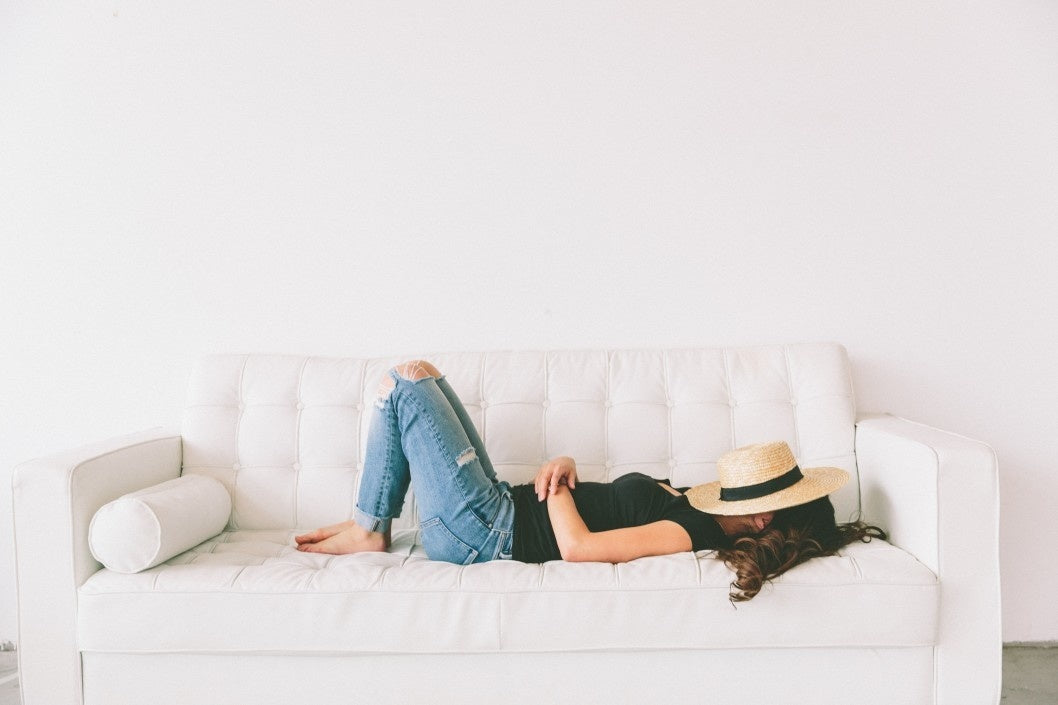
351,539
324,533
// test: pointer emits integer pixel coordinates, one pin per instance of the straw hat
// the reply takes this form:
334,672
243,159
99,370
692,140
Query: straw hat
762,478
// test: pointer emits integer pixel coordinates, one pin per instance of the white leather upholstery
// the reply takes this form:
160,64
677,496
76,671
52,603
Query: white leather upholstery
228,591
286,434
938,494
54,499
149,526
914,620
819,676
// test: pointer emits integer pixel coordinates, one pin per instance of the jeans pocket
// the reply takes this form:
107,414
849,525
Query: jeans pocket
442,545
505,546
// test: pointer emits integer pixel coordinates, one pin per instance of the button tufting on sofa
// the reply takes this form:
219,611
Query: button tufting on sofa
245,617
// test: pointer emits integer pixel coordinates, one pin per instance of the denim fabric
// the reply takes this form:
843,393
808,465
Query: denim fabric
421,432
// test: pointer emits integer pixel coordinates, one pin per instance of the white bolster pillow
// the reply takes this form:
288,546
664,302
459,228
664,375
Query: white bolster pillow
142,529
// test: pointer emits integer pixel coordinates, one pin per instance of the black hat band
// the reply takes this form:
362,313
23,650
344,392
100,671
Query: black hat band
762,489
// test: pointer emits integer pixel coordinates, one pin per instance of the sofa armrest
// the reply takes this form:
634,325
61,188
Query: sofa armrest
54,499
937,494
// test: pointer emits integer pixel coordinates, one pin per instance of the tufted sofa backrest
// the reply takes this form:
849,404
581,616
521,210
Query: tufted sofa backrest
286,433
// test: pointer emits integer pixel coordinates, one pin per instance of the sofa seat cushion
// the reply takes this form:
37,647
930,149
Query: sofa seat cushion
252,591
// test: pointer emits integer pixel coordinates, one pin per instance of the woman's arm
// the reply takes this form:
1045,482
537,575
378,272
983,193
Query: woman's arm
577,543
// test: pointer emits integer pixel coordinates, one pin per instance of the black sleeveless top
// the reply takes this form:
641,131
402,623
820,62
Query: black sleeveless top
630,500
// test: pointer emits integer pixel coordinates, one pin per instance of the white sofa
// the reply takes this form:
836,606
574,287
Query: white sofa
244,618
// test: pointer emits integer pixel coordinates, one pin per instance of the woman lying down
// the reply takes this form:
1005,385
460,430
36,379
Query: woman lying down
764,516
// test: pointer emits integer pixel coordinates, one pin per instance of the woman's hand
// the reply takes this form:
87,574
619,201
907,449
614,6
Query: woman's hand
557,471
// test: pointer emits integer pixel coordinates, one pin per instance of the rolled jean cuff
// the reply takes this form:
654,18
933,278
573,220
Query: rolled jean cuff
371,523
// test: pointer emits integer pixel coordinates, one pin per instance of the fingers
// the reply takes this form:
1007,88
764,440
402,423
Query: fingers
544,482
569,467
544,488
549,481
561,471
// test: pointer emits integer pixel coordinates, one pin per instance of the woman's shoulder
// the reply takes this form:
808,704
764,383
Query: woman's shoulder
646,482
636,476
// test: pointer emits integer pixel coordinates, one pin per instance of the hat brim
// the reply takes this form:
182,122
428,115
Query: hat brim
816,483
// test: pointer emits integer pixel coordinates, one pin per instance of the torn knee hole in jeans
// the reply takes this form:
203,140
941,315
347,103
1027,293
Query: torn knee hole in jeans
384,390
414,371
466,456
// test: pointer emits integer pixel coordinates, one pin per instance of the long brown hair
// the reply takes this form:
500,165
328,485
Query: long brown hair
794,535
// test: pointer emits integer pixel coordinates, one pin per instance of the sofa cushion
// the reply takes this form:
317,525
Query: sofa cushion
252,591
141,529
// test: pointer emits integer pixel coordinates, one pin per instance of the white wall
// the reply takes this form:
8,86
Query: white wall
362,178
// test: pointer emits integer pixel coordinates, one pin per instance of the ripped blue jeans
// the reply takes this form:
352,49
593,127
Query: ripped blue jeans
421,432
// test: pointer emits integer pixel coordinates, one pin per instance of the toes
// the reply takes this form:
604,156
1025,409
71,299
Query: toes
321,547
322,534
